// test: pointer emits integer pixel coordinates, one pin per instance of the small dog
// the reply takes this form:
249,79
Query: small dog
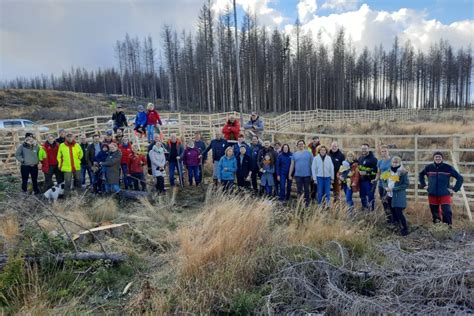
53,193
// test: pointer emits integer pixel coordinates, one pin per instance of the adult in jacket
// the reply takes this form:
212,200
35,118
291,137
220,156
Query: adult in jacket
69,161
337,158
112,171
283,172
255,148
243,168
175,155
218,147
323,174
119,119
368,174
226,169
51,148
255,125
231,129
28,156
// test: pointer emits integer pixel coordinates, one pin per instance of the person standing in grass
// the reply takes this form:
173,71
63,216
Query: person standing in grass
349,176
158,163
126,149
243,168
383,166
267,181
368,173
301,166
337,158
218,147
28,156
69,160
136,162
395,183
192,162
226,169
283,165
201,145
313,149
323,174
112,173
175,154
51,148
85,169
439,188
153,119
255,148
99,170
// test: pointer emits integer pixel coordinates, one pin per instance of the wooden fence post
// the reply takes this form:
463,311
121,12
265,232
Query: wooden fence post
96,125
417,171
456,142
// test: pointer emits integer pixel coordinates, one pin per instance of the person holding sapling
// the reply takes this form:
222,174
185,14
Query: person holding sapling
368,174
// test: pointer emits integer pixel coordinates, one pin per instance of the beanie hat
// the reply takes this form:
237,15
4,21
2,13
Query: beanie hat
28,134
438,153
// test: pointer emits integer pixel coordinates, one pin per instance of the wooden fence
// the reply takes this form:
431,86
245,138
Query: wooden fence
415,150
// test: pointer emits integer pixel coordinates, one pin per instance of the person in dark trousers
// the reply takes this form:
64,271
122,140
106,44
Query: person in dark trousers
192,162
313,149
201,145
27,154
255,125
62,136
243,168
85,169
140,121
158,163
337,158
125,148
383,168
153,120
69,161
301,162
439,188
226,170
175,155
112,173
267,182
91,152
283,165
267,149
136,162
255,148
99,170
119,118
156,139
218,147
51,147
368,174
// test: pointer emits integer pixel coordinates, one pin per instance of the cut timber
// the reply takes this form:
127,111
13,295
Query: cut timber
114,257
114,230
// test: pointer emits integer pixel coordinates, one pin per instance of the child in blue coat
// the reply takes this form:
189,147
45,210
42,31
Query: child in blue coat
140,121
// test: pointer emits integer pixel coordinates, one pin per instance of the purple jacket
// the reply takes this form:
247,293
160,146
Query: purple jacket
191,157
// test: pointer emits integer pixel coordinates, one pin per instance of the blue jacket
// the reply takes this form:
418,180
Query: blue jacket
237,149
254,150
438,179
230,164
140,119
243,168
399,198
218,147
283,163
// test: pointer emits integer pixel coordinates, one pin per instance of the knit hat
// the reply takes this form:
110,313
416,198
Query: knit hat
28,134
109,133
140,108
438,153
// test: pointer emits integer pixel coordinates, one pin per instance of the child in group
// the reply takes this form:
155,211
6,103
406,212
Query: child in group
126,148
152,121
349,176
140,122
136,161
192,162
100,171
158,162
267,181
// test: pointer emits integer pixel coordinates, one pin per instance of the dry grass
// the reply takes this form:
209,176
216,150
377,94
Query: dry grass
103,210
9,228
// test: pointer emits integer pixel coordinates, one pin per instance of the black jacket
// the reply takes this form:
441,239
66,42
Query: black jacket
243,167
438,179
218,147
120,120
337,159
369,165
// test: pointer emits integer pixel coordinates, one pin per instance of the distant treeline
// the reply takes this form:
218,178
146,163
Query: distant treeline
279,72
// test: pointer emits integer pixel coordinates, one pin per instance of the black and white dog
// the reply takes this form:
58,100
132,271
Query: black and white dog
53,193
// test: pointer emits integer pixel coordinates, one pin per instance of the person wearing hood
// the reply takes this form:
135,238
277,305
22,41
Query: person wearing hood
440,191
226,169
231,129
119,119
283,165
255,148
51,147
337,158
152,121
28,156
323,174
192,161
368,174
140,121
243,168
100,171
136,162
158,162
112,172
126,149
395,183
255,125
85,169
218,147
348,174
69,160
175,155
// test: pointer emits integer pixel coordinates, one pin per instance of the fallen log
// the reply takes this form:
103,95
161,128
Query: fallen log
113,230
114,257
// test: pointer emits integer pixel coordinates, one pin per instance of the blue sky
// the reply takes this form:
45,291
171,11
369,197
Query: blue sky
48,36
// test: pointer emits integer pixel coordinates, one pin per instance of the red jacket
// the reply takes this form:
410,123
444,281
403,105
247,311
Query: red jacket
231,131
126,151
136,163
51,153
152,117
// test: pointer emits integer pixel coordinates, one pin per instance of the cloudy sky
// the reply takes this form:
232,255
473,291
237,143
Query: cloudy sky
47,36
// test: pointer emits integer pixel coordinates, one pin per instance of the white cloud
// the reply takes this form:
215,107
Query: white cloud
340,5
265,14
367,27
306,9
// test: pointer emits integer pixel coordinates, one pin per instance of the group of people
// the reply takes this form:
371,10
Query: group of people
112,162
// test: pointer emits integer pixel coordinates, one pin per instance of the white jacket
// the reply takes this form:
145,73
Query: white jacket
322,168
157,160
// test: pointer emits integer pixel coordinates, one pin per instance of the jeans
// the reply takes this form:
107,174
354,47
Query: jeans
125,179
48,177
109,188
445,209
302,184
84,169
367,195
285,188
348,193
324,189
73,177
254,177
268,189
193,172
26,171
150,132
138,178
173,165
